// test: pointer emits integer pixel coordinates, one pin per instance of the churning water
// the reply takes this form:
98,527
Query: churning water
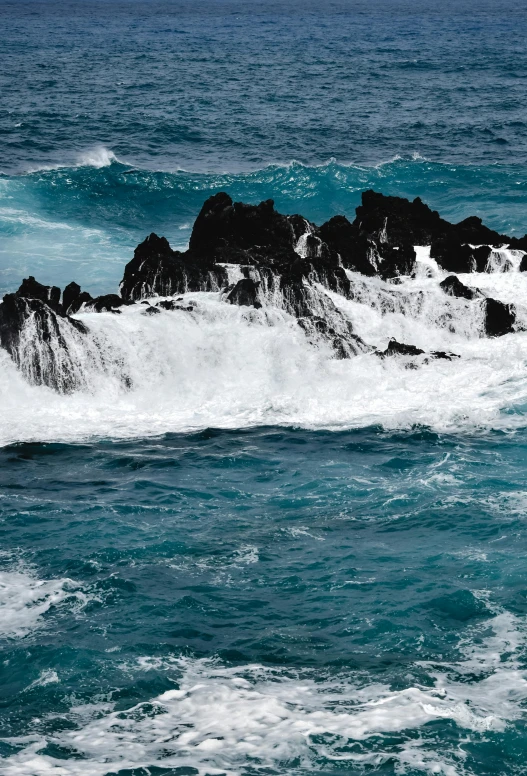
228,552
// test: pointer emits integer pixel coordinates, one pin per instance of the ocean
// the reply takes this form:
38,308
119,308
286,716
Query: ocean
261,560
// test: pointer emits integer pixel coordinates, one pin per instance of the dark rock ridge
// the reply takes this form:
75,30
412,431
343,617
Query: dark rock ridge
278,260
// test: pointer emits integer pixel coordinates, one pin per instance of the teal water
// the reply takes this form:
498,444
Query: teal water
84,222
322,602
262,561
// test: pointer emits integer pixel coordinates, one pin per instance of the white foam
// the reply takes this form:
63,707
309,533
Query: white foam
227,366
98,157
24,599
223,720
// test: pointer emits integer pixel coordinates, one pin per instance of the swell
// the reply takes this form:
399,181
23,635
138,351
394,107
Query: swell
84,217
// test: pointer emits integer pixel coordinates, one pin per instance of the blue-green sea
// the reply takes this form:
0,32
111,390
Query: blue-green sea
262,561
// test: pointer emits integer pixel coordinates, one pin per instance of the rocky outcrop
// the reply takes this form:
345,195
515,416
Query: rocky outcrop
453,286
245,293
107,303
157,270
500,318
460,257
37,335
281,261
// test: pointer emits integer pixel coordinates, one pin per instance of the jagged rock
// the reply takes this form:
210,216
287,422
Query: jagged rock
453,286
32,289
499,318
245,293
240,233
84,298
518,243
345,344
443,354
400,349
157,270
106,303
453,256
151,311
70,295
342,236
397,221
40,352
523,263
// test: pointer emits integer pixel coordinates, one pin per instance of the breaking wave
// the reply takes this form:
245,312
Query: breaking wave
227,366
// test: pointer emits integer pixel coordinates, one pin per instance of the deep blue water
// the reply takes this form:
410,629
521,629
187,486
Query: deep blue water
273,599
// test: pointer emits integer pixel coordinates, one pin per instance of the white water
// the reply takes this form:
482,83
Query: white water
24,600
223,720
227,366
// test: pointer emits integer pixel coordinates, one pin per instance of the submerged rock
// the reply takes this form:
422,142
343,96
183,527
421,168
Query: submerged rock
401,349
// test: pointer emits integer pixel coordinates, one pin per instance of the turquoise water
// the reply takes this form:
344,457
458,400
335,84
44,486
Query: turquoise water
321,601
260,560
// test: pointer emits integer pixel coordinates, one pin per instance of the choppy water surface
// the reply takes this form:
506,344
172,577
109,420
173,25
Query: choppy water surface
265,602
259,560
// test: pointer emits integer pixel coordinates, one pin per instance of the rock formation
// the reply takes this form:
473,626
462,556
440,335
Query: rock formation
282,261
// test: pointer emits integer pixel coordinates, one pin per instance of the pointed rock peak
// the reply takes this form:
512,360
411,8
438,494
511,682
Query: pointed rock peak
32,289
154,245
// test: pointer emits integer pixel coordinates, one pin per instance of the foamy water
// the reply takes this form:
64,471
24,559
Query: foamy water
220,719
226,366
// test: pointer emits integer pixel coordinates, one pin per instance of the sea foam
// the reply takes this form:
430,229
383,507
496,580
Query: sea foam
233,720
226,366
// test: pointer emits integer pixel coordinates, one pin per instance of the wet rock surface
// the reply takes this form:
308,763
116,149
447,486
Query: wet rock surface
285,261
453,286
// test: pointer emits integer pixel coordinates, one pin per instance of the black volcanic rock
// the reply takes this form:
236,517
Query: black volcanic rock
32,289
397,221
499,318
523,264
473,231
453,286
379,241
453,256
343,237
84,298
239,233
518,243
396,348
400,349
43,356
158,270
245,293
106,303
69,296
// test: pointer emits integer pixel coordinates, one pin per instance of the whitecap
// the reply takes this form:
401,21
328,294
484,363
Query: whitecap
24,599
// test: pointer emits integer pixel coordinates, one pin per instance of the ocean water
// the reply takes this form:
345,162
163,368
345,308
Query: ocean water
261,560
